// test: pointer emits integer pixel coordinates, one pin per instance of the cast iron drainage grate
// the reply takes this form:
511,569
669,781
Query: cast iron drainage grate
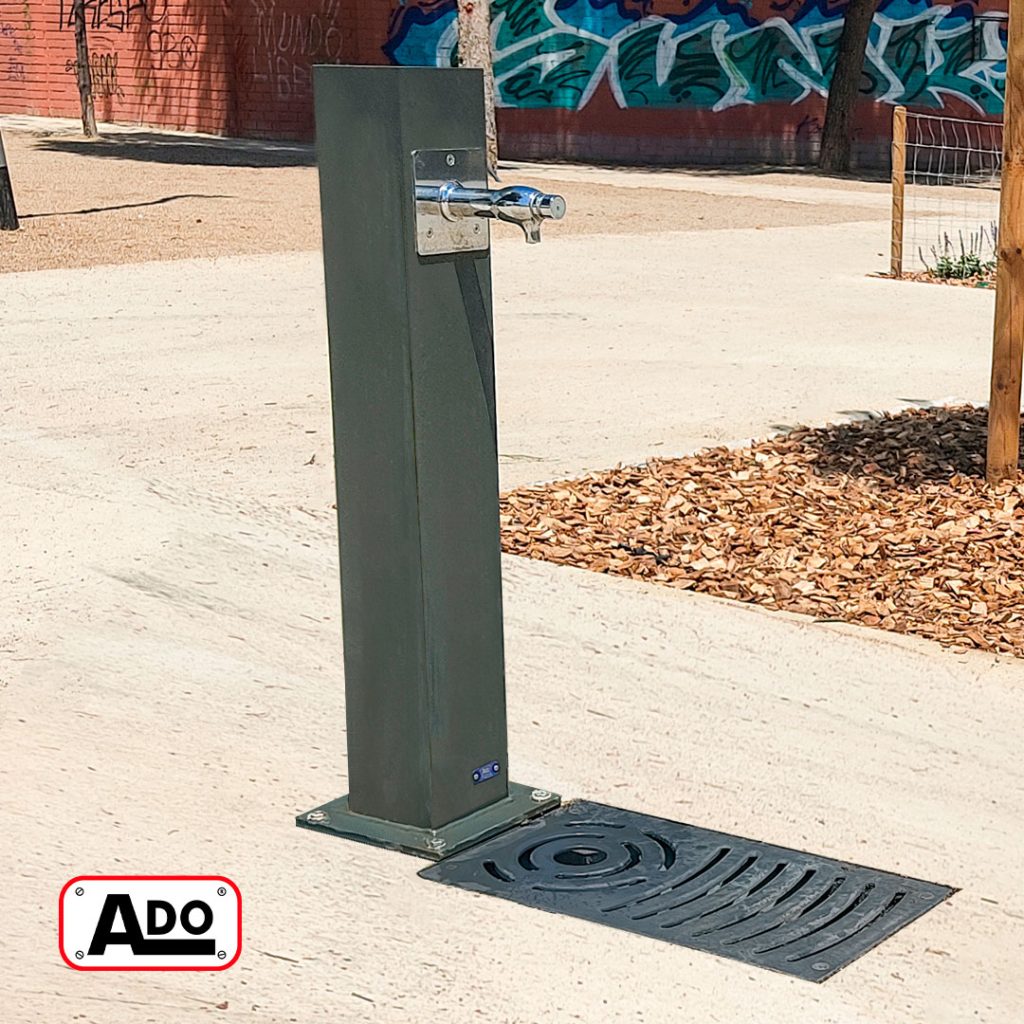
793,912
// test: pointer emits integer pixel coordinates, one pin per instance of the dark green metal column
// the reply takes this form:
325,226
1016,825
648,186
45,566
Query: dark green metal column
412,384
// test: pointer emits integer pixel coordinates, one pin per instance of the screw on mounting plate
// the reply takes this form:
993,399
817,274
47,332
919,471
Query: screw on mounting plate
540,795
820,965
316,817
450,159
436,843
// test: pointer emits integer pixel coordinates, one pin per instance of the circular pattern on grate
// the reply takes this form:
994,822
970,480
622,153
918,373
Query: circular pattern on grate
586,855
777,904
794,912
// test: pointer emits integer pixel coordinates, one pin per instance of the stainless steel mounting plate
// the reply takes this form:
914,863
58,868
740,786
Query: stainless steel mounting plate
435,234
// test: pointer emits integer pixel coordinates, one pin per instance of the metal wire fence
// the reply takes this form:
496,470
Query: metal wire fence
949,184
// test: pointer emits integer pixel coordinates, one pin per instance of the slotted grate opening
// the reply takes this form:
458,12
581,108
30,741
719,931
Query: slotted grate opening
782,909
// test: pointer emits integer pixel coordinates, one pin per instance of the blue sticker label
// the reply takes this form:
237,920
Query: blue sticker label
486,771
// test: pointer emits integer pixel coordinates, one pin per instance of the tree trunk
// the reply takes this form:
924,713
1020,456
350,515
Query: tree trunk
84,71
8,211
845,86
474,20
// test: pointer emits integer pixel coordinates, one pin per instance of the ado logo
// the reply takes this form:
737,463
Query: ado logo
150,923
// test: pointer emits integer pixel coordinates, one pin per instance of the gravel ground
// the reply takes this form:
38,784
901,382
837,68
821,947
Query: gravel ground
172,691
138,195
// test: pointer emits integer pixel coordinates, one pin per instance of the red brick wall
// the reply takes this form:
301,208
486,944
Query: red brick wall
242,67
227,66
770,133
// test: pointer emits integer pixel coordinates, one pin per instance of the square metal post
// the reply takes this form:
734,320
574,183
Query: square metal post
412,387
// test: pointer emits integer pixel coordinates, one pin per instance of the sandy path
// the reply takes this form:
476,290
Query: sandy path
170,676
136,195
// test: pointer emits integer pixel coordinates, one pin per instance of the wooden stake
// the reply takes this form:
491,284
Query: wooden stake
899,178
1008,333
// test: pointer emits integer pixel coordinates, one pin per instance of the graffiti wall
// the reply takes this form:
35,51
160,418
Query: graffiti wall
144,59
715,54
230,66
647,80
713,57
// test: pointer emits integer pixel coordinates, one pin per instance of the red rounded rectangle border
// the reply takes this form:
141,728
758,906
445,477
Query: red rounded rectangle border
78,916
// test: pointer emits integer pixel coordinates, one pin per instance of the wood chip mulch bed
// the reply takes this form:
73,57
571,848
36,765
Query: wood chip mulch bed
886,523
987,280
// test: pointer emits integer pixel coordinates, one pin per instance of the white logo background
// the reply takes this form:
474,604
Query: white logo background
81,907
